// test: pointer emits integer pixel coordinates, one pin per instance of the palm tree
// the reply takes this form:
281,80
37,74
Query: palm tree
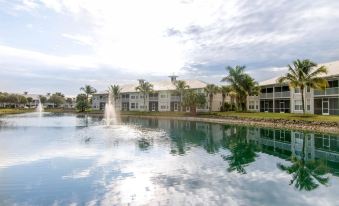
88,90
114,90
145,88
211,90
181,87
225,91
302,74
193,100
306,174
233,94
242,83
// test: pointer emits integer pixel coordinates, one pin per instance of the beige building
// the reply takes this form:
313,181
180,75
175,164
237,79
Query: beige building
163,99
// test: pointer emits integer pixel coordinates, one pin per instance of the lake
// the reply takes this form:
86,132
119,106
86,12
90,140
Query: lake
66,159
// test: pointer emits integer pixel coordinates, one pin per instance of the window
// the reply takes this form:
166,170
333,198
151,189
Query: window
277,89
132,105
298,105
132,97
333,83
270,90
308,104
163,96
251,105
297,90
308,89
285,89
163,106
136,105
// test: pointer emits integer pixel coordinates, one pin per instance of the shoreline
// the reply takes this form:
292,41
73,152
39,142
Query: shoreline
330,127
297,125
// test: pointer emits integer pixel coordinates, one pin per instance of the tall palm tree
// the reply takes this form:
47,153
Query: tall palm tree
225,91
242,83
306,174
88,90
211,90
181,87
114,90
302,74
145,88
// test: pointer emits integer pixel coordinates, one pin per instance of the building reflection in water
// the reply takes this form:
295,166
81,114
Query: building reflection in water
312,156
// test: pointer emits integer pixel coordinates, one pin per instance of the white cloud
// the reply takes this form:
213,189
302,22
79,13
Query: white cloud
21,57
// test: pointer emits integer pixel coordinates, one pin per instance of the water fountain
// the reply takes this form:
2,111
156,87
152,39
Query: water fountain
40,107
110,113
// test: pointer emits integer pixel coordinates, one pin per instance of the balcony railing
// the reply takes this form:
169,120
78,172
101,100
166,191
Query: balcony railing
282,94
266,95
153,98
175,98
124,99
327,92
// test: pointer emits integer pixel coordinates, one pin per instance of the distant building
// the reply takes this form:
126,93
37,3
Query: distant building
163,98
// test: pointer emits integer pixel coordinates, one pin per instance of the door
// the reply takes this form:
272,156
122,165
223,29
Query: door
266,105
175,107
282,107
326,107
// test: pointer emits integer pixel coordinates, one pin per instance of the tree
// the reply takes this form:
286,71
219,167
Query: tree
81,102
180,88
211,90
225,90
306,174
88,90
29,100
193,100
69,100
145,88
22,99
57,99
114,90
43,99
242,83
13,99
302,74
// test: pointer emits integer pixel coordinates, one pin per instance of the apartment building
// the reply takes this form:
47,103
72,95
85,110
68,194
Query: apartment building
163,99
276,97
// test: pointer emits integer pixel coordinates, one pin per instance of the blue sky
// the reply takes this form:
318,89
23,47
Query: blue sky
60,45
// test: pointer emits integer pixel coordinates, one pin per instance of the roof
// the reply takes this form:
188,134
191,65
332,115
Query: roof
163,85
333,70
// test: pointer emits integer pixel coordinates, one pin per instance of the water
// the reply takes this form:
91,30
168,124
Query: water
64,160
110,116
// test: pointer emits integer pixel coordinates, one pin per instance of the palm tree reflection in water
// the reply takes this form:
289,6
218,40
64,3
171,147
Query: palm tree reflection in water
306,174
242,151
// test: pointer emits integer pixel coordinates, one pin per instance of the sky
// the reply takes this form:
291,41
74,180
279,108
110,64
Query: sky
61,45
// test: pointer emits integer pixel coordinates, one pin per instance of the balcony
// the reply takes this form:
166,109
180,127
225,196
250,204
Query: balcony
286,94
266,96
175,99
153,98
327,92
124,99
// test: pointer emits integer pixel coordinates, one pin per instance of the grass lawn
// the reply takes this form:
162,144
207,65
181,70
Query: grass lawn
14,111
287,116
253,115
